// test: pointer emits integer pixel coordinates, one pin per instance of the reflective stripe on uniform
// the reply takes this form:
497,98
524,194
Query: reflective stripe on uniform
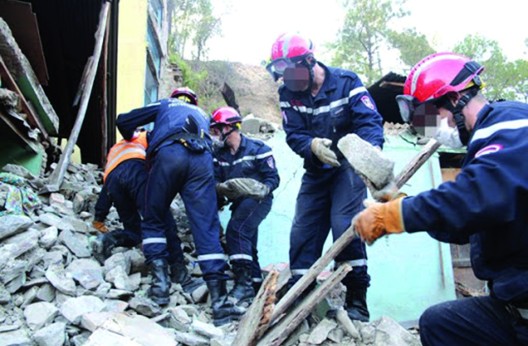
298,271
505,125
356,263
241,257
212,257
158,240
125,150
523,313
245,158
327,108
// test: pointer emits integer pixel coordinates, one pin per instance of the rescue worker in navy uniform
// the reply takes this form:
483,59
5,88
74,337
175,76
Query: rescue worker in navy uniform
320,105
242,160
180,161
124,181
486,206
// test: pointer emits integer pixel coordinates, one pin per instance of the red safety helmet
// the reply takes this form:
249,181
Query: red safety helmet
185,94
225,116
286,51
435,76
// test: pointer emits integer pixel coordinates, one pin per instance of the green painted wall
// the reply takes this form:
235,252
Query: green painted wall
409,272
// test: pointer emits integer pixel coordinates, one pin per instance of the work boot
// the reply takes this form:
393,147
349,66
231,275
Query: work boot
256,286
159,288
242,293
356,304
180,275
223,311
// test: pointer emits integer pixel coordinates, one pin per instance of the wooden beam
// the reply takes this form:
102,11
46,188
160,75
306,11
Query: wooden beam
295,291
289,323
56,178
417,161
258,316
10,83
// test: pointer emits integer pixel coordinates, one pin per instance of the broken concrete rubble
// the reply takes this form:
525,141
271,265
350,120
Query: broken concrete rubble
54,292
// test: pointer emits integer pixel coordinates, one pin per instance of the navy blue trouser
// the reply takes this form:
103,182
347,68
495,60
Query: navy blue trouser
473,321
242,230
103,205
328,200
175,169
125,186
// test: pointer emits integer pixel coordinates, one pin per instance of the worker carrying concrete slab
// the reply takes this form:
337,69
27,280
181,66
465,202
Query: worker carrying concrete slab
246,175
320,105
485,206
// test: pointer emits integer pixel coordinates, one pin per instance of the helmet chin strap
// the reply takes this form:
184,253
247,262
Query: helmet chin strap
459,118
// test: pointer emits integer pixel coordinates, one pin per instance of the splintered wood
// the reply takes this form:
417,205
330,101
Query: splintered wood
258,317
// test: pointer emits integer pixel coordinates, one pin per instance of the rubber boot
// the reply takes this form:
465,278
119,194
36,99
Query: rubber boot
356,304
256,286
242,293
180,275
160,286
223,311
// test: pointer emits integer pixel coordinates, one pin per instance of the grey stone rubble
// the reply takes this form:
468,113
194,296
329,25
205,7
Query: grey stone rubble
54,292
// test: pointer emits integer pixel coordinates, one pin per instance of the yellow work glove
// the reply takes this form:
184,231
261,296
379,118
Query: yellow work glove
100,226
379,219
321,148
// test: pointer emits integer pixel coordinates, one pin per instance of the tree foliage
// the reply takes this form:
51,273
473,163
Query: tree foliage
412,46
192,25
364,34
504,79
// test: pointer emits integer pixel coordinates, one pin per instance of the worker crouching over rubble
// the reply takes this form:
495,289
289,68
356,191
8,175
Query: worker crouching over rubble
180,161
124,181
485,206
246,175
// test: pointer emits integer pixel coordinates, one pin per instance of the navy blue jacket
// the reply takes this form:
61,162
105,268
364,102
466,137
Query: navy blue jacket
487,204
342,106
171,117
253,159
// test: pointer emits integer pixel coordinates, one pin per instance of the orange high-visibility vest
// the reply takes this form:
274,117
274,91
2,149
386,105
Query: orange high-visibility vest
126,150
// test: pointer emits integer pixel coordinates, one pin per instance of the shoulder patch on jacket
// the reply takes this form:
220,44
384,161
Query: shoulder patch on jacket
368,102
492,148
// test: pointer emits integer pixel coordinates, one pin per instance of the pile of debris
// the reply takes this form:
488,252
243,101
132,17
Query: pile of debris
54,292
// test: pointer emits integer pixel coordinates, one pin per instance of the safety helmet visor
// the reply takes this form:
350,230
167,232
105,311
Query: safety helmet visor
407,105
277,67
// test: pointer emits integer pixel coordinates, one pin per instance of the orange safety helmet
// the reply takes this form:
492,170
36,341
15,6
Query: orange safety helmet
185,94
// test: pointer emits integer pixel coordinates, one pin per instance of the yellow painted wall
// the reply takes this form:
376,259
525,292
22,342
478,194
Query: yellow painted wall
131,54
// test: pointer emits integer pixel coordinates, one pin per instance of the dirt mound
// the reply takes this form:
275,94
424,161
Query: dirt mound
254,89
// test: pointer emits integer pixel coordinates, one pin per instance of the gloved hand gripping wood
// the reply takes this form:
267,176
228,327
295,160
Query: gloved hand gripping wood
379,219
242,187
321,148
